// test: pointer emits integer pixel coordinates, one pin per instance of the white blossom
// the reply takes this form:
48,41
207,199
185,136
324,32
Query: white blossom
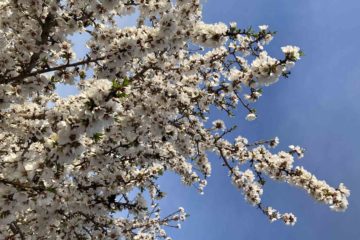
251,116
86,166
263,27
292,52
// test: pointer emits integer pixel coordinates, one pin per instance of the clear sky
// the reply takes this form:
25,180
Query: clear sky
316,108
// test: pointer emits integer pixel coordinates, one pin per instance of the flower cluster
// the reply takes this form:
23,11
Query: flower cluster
86,166
246,182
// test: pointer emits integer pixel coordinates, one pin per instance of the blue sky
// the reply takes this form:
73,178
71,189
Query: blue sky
316,108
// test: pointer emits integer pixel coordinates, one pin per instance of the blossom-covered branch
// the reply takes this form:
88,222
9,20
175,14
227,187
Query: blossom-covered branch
86,166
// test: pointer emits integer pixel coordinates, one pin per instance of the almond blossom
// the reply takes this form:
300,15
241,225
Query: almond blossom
86,166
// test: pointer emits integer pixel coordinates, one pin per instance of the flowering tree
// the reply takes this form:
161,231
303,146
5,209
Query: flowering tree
86,166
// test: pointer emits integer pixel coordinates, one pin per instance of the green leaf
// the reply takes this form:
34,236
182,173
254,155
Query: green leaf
51,189
116,85
126,82
262,182
97,137
82,75
121,95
